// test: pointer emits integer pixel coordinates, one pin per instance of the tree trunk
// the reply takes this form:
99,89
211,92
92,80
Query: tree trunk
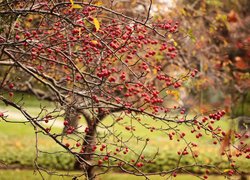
72,117
87,146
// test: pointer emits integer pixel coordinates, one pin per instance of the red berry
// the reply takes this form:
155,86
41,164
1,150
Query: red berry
105,158
17,37
100,162
139,164
66,123
11,85
67,145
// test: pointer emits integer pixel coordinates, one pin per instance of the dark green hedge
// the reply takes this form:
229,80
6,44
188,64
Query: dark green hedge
165,161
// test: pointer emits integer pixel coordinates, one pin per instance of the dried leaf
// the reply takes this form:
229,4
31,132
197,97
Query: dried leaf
227,140
232,16
240,63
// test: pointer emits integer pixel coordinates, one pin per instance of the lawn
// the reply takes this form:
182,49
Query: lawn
18,140
29,174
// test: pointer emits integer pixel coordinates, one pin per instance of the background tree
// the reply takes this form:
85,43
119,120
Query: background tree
218,47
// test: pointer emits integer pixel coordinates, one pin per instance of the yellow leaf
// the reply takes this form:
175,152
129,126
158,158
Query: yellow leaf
18,144
226,170
99,3
77,48
175,43
94,42
97,24
133,3
184,12
202,39
174,93
185,78
76,6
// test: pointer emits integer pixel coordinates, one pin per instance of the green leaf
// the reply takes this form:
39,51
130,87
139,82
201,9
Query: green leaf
191,35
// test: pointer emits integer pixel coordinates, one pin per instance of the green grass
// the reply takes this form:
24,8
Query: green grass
18,141
17,174
161,138
28,100
29,174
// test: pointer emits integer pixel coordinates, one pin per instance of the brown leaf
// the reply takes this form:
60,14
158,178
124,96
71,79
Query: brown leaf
226,141
232,16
